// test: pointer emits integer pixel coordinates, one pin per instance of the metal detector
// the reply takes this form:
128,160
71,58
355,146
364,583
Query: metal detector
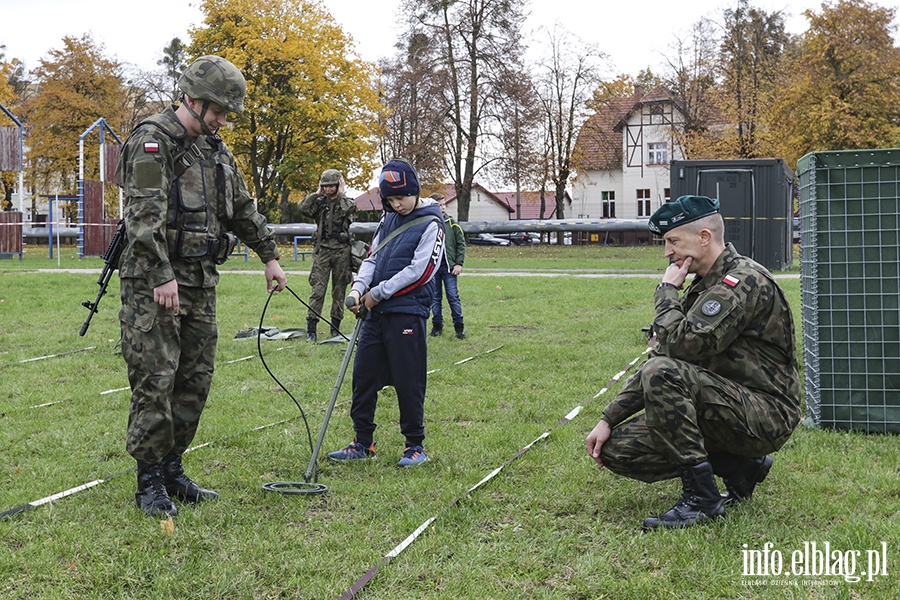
310,484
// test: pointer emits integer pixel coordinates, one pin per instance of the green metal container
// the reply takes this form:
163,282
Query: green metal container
756,196
850,286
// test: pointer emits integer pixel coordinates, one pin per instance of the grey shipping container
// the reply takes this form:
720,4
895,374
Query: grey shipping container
850,288
756,198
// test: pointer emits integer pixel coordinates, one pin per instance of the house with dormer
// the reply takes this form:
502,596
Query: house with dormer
623,155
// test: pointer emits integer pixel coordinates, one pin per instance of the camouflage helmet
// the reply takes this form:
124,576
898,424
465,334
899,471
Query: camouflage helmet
330,177
214,78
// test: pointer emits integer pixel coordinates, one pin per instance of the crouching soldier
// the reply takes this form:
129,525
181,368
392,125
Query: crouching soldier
720,391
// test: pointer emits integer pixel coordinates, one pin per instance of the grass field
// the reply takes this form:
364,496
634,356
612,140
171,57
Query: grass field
550,524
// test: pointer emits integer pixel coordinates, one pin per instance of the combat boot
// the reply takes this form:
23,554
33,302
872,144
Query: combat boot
151,495
740,474
699,502
311,325
335,327
180,486
437,329
460,330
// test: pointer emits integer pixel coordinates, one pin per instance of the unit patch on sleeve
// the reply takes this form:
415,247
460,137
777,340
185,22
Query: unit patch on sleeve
711,308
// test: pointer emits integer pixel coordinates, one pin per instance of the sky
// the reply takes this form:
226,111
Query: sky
634,36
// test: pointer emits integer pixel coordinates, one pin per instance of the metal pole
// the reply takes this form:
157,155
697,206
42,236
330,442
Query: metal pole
50,222
337,388
81,194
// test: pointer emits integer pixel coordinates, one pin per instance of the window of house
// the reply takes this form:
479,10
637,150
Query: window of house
667,194
608,205
657,153
643,203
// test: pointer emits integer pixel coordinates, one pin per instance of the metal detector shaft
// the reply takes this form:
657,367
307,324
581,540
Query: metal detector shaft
337,388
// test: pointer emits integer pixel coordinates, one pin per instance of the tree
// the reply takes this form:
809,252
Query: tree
565,88
691,77
750,56
8,179
7,72
843,91
414,126
76,85
525,155
479,50
310,106
173,63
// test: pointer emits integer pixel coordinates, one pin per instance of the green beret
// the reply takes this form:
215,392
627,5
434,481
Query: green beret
683,210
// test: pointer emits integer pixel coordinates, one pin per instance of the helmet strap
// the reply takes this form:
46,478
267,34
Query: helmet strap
203,126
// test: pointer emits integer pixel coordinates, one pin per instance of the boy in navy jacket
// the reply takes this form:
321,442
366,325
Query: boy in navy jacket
396,284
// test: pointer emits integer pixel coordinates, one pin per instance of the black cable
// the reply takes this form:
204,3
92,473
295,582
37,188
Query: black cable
312,310
269,371
310,485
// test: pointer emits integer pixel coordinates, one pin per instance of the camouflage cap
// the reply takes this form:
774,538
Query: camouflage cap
214,78
330,177
683,210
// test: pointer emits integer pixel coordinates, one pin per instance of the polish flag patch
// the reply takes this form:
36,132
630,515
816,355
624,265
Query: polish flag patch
151,147
730,280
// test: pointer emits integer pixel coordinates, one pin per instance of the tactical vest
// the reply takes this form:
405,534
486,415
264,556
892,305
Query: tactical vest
201,199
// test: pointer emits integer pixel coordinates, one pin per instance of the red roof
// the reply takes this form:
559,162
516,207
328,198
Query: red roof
530,204
371,200
599,143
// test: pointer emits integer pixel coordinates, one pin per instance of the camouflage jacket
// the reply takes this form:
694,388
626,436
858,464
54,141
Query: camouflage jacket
170,220
734,321
332,217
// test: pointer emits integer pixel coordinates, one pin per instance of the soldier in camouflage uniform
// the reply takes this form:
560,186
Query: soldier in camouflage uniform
185,200
721,390
333,213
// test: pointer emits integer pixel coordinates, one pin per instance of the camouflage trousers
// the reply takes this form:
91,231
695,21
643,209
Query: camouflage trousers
170,367
689,413
333,263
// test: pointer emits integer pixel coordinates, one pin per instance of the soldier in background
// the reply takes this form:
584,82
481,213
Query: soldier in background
721,389
185,200
333,213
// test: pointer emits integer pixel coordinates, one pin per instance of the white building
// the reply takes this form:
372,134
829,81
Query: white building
623,154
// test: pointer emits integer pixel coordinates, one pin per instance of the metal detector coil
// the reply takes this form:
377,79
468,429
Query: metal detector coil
309,485
295,487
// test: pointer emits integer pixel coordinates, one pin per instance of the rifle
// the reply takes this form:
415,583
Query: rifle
111,257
